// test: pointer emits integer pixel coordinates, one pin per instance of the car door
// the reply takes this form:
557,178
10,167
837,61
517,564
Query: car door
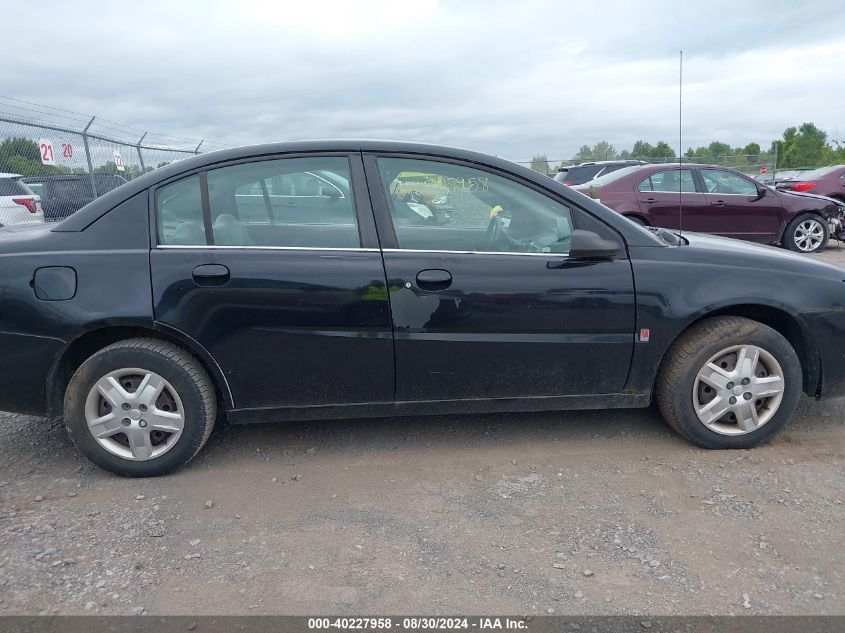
663,194
485,301
287,292
737,208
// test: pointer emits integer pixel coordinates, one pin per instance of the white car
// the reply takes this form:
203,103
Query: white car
18,203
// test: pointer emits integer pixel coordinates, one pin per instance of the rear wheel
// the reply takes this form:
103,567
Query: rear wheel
807,233
729,382
140,407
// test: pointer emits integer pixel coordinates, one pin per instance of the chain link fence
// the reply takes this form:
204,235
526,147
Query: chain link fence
68,159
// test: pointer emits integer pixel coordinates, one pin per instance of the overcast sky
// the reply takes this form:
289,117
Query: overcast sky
508,78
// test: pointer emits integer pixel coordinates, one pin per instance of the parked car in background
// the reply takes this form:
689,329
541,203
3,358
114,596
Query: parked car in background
824,181
772,179
579,174
18,203
721,201
180,297
63,195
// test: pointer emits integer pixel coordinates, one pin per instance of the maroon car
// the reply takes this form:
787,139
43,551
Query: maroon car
721,201
824,181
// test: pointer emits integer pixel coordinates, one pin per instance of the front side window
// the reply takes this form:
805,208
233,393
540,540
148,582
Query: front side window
442,206
668,181
293,202
726,182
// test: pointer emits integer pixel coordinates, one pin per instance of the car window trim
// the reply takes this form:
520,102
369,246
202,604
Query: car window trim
268,207
367,236
383,218
268,248
470,252
206,209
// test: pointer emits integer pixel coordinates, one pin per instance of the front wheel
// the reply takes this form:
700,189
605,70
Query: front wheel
140,407
806,234
729,382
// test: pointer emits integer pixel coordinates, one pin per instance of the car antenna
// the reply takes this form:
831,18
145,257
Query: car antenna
680,150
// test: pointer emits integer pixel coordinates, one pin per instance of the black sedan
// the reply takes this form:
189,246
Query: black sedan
308,281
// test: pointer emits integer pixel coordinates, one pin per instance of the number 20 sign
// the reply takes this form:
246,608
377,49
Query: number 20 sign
48,155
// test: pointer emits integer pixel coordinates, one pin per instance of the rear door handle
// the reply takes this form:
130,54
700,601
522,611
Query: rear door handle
719,203
649,200
434,279
211,274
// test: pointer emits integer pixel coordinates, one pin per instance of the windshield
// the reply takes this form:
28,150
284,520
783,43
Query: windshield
818,173
614,175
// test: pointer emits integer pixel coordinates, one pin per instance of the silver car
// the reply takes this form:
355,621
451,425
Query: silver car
18,203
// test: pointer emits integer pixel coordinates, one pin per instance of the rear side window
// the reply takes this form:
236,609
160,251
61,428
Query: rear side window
13,187
76,189
288,202
667,181
179,213
37,188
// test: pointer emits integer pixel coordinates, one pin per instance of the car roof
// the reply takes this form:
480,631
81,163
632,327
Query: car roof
620,161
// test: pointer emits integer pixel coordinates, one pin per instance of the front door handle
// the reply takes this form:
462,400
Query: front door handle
211,274
434,279
719,203
649,200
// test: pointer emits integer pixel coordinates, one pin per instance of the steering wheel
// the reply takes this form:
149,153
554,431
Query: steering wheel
494,233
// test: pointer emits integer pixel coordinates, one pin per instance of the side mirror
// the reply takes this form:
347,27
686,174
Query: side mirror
589,245
761,192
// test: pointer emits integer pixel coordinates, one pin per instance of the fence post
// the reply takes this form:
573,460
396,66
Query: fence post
88,157
775,167
197,150
140,157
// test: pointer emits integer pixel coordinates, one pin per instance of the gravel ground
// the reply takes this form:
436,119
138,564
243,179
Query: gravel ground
572,513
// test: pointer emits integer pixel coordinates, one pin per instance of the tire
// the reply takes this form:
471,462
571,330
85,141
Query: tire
139,368
637,220
801,225
679,388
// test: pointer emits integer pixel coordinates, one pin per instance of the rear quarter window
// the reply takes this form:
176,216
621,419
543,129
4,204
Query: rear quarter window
13,187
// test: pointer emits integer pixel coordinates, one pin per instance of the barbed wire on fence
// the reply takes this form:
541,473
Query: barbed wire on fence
69,158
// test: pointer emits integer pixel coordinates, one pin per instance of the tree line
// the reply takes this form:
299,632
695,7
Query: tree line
802,147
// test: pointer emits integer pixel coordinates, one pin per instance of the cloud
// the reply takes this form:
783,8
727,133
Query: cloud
507,78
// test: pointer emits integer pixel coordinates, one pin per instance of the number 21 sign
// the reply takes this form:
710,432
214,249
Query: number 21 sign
48,156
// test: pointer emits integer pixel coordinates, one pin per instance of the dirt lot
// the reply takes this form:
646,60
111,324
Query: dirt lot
575,513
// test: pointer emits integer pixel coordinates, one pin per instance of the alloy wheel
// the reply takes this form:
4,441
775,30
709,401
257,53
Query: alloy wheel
738,390
808,235
135,414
